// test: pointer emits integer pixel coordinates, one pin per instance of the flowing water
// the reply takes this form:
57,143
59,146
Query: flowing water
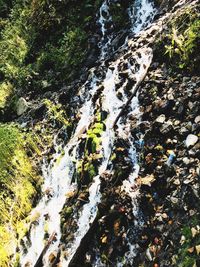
58,176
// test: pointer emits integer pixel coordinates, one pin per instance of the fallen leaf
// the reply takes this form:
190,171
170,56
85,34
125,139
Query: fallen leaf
191,250
116,227
149,158
104,239
194,231
182,241
70,194
148,180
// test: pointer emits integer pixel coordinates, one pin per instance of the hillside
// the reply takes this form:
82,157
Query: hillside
99,133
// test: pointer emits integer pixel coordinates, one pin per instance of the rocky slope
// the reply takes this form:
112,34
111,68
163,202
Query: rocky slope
145,189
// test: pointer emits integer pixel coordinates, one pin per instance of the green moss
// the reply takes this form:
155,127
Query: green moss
6,90
94,137
19,183
56,113
67,212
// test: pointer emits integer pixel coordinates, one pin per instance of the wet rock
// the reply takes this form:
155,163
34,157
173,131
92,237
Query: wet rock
191,140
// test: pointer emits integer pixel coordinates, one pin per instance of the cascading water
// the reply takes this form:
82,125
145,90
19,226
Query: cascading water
58,176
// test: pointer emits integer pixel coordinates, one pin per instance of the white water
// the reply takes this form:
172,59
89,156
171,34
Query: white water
106,39
141,14
58,176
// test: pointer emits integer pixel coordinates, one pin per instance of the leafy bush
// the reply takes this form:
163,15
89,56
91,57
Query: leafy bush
181,44
45,41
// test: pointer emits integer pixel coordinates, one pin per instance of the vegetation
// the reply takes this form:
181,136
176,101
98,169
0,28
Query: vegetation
19,185
182,42
118,12
188,253
43,43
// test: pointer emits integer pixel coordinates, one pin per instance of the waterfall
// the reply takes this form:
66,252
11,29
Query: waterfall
58,176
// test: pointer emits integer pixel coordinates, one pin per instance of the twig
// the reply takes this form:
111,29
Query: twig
137,86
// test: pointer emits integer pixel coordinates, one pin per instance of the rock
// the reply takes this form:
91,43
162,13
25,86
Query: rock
21,106
174,200
177,182
186,160
186,79
197,119
161,118
148,254
191,140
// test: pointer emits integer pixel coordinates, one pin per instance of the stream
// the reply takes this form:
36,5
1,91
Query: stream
58,176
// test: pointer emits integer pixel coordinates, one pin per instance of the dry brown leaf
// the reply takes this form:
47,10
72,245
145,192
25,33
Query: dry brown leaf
104,239
191,250
148,180
116,227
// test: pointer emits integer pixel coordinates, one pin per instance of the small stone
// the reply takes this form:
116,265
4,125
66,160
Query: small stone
165,216
192,212
187,181
177,182
148,254
161,118
174,200
197,119
190,105
177,122
186,160
186,79
191,140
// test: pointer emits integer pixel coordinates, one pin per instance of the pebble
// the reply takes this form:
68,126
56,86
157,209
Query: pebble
186,160
174,200
191,140
161,118
197,119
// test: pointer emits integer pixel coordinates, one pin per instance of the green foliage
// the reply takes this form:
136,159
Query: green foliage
187,254
94,136
56,113
184,41
119,15
5,6
6,90
18,184
44,43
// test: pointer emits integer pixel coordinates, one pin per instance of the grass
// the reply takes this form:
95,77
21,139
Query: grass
19,184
